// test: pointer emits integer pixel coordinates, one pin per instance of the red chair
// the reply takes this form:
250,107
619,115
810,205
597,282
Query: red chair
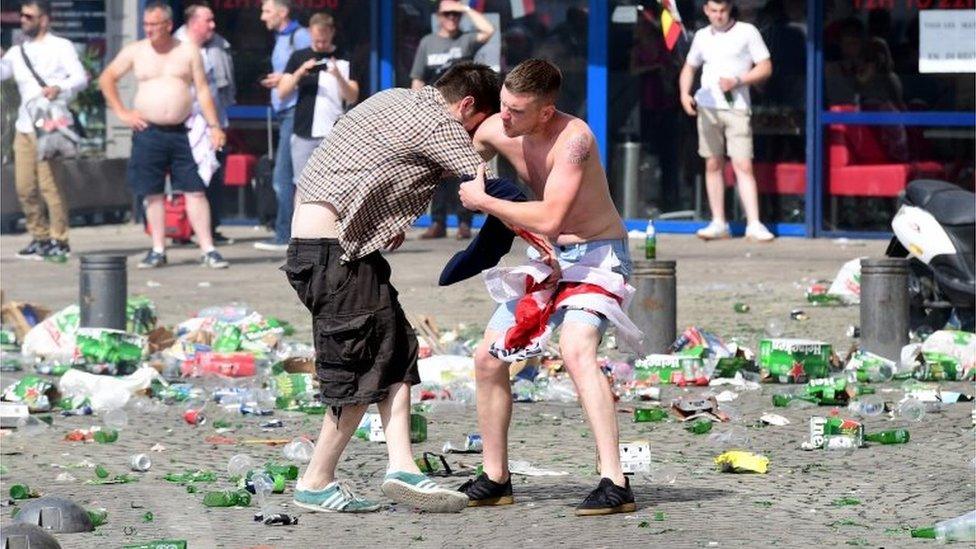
238,173
859,165
789,178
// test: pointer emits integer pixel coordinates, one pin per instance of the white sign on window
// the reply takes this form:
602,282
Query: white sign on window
946,41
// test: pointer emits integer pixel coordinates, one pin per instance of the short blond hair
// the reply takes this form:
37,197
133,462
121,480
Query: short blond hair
536,77
321,20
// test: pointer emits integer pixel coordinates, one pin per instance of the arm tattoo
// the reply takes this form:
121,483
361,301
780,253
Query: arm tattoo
578,147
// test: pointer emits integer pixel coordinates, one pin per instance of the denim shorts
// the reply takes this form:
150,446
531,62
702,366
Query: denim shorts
504,316
156,150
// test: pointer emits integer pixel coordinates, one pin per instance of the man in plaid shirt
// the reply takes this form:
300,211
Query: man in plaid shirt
365,184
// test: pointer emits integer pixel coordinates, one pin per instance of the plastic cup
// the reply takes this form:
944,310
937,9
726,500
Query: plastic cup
116,419
140,462
239,464
911,409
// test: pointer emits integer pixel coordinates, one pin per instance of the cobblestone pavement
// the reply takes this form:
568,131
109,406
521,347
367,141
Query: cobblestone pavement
685,502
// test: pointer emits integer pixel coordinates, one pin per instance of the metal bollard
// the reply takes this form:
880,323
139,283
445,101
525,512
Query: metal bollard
884,306
628,193
655,304
103,291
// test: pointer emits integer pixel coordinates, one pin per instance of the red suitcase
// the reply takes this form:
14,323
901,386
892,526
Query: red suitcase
177,221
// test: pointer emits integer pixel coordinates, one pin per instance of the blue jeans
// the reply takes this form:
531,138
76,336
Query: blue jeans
283,178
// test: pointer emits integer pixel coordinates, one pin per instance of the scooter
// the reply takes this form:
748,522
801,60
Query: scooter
934,227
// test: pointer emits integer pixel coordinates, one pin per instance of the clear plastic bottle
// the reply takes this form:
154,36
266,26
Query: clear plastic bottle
115,419
299,450
867,406
263,486
961,528
911,409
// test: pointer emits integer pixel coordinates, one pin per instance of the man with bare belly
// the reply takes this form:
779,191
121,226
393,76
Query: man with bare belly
165,69
554,153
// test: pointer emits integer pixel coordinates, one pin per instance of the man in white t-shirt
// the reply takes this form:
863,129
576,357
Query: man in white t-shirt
47,71
733,57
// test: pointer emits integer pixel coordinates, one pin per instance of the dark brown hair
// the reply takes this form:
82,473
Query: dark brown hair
474,79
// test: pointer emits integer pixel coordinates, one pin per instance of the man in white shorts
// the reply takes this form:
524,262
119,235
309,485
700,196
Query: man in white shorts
733,57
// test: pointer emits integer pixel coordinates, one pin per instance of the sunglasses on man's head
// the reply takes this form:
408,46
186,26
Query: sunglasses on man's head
451,13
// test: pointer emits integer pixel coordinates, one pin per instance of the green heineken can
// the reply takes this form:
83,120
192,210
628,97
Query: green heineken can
939,367
228,339
866,367
794,360
664,369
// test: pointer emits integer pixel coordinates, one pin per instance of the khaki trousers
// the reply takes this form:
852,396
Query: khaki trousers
36,188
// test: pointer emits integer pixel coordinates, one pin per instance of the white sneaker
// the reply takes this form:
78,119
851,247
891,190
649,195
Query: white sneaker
271,246
759,233
714,231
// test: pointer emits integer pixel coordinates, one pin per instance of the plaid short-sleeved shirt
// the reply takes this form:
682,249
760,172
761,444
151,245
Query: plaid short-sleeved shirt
379,165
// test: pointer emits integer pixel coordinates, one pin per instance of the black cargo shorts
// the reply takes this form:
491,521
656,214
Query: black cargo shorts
363,342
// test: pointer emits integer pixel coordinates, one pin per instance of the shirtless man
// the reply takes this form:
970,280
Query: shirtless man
165,69
556,155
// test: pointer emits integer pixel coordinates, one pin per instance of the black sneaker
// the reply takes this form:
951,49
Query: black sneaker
214,260
221,240
482,491
35,250
153,260
608,498
57,250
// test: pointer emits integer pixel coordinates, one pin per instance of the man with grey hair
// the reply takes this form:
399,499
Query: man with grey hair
166,71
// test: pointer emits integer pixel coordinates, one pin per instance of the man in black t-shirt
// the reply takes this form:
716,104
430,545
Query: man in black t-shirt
320,74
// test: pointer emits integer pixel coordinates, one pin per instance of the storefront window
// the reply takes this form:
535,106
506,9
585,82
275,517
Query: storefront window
552,29
654,144
871,58
873,63
84,24
866,167
252,42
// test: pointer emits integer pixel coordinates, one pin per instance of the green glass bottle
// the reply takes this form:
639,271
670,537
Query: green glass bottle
418,428
98,516
239,498
644,415
159,544
106,436
894,436
783,400
289,472
699,427
20,491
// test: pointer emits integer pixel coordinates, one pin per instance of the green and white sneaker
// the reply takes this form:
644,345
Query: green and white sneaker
417,490
336,497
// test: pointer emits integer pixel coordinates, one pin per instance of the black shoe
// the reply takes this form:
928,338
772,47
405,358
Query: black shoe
214,260
57,248
482,491
221,240
35,250
152,260
608,498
